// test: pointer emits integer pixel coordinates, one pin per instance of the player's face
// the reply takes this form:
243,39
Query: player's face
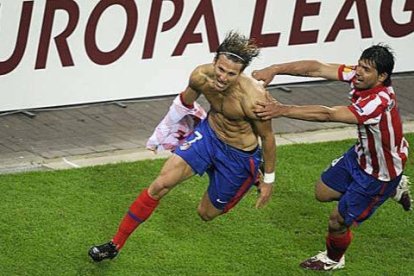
367,76
226,72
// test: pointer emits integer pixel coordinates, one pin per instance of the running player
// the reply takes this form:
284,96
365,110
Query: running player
372,170
225,145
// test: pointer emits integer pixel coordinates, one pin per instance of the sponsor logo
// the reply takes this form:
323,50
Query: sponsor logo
221,201
391,105
348,69
185,146
328,267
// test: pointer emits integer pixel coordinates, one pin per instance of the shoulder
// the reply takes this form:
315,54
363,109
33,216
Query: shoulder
200,75
252,88
252,91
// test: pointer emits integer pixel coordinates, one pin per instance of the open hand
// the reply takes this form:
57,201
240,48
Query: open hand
268,110
265,193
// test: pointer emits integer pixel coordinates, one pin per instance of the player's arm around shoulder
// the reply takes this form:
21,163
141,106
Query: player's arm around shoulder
264,130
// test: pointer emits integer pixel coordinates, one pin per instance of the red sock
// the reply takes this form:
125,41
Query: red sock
337,244
139,211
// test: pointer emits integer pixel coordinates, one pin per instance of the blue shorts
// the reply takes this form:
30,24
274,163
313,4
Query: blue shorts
231,171
362,194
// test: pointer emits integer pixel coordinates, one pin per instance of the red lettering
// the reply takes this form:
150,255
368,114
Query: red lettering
72,9
94,53
204,9
21,42
153,24
263,40
302,9
390,26
341,23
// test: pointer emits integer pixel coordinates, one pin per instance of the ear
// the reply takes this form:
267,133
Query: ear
382,77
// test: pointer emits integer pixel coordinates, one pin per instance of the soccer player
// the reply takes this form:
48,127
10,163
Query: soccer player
371,171
225,144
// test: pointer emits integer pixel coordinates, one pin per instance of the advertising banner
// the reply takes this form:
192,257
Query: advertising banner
65,52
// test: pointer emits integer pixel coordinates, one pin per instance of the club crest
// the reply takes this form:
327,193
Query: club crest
185,146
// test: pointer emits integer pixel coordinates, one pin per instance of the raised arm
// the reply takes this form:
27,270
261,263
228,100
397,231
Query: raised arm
304,68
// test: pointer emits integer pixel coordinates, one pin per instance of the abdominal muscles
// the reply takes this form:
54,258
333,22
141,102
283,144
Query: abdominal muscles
237,133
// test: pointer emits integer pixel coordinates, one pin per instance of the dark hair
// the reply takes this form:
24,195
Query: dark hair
382,57
238,48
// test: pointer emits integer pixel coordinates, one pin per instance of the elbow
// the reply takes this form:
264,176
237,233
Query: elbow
329,117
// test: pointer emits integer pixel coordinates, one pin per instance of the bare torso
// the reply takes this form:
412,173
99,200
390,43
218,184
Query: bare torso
230,115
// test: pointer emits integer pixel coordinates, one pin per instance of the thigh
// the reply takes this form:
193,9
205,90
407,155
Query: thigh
174,171
338,176
197,151
324,193
229,181
364,197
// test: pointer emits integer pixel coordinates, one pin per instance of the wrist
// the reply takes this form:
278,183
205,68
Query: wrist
286,109
269,178
189,106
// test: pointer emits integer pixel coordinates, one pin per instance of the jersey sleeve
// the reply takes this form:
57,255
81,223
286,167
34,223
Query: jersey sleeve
346,72
370,109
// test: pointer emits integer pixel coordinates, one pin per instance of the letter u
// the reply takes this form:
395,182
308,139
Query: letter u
21,42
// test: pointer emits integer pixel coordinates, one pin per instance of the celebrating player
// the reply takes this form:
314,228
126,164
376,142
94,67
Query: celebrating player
225,144
372,170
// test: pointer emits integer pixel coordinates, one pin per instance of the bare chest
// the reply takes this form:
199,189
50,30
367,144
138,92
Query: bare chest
228,105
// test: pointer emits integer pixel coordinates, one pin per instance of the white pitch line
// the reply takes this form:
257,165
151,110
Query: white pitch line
70,163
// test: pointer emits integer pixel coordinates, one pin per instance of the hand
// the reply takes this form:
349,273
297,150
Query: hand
265,193
268,110
153,149
264,75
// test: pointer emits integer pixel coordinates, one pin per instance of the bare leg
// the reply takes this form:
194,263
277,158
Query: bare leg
206,209
324,193
174,171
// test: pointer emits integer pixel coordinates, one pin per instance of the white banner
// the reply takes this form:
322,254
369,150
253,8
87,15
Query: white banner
63,52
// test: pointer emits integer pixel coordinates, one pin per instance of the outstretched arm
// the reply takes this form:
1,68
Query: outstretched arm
319,113
304,68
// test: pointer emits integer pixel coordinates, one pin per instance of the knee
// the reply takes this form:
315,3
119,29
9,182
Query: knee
336,223
158,188
317,192
204,215
320,195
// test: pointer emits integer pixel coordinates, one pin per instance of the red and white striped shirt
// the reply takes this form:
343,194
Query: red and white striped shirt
382,149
